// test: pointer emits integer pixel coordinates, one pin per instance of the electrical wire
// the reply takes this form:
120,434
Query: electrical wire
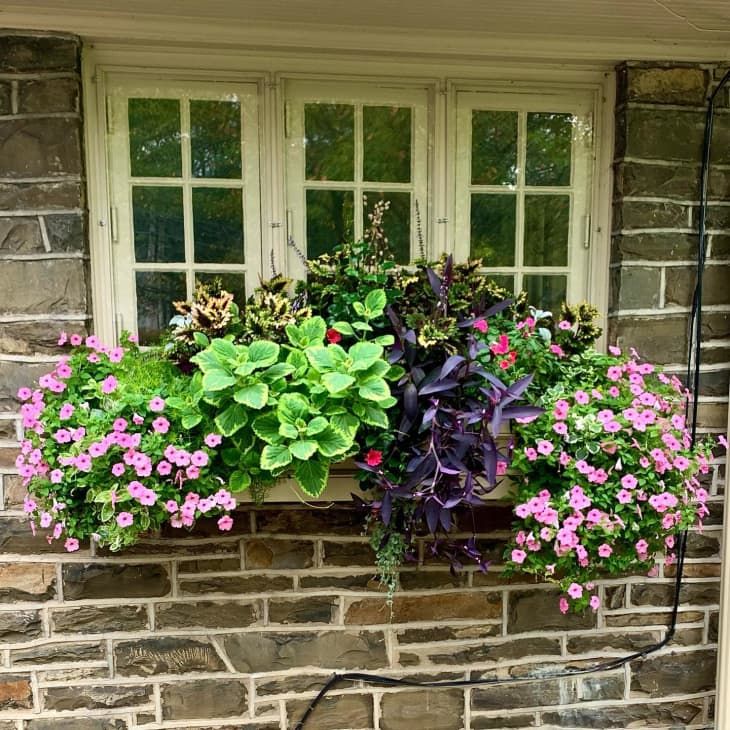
693,374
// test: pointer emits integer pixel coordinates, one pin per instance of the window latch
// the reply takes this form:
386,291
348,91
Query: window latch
587,231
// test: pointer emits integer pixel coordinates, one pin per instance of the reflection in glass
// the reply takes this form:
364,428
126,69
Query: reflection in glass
215,138
329,131
493,229
233,283
330,220
386,143
545,292
493,148
159,230
218,225
547,220
549,139
396,221
156,291
504,280
154,138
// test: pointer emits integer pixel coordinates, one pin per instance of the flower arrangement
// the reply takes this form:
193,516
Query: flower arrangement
435,381
104,454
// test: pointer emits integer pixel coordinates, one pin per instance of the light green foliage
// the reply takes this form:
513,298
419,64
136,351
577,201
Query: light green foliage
294,408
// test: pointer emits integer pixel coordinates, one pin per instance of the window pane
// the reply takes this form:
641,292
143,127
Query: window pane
493,229
545,292
547,219
154,137
218,225
493,148
159,230
396,222
215,138
330,220
504,280
233,283
548,148
329,131
156,291
387,143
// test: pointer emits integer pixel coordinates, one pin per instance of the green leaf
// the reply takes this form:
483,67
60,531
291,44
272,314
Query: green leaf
295,335
375,302
288,431
362,326
263,353
298,360
313,330
102,497
231,419
275,456
277,371
384,340
292,407
378,369
344,328
312,476
320,358
245,368
266,427
231,456
347,423
317,425
374,389
225,349
364,354
239,481
175,402
371,414
332,442
254,396
191,420
303,449
217,379
206,359
337,382
107,512
395,372
201,339
359,308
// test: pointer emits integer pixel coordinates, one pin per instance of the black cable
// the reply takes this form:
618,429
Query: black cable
693,373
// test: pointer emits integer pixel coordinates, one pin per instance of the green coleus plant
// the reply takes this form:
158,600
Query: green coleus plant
294,408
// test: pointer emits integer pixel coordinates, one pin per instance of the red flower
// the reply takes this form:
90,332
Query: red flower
333,336
501,347
374,458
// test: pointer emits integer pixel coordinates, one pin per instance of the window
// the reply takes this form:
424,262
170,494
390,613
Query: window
503,175
184,179
348,146
523,190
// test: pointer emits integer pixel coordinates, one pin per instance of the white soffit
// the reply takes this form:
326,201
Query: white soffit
569,29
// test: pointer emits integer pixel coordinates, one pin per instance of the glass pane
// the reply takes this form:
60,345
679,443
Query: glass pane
154,137
330,220
159,230
329,131
215,138
396,222
504,280
547,220
493,148
548,148
218,225
156,291
545,292
386,143
493,229
233,283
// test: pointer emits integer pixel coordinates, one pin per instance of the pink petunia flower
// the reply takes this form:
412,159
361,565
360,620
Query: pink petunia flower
605,550
595,602
563,604
125,519
225,523
157,404
109,384
564,324
518,556
160,425
71,544
628,481
575,590
212,440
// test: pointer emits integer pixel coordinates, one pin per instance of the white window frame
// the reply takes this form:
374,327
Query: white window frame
360,93
120,182
577,103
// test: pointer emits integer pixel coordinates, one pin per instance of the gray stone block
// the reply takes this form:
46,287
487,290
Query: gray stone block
33,53
40,147
44,96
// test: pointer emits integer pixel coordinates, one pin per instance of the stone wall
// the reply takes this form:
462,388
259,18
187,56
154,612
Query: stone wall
207,632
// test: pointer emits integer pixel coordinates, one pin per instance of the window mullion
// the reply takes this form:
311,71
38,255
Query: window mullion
358,191
520,201
187,192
